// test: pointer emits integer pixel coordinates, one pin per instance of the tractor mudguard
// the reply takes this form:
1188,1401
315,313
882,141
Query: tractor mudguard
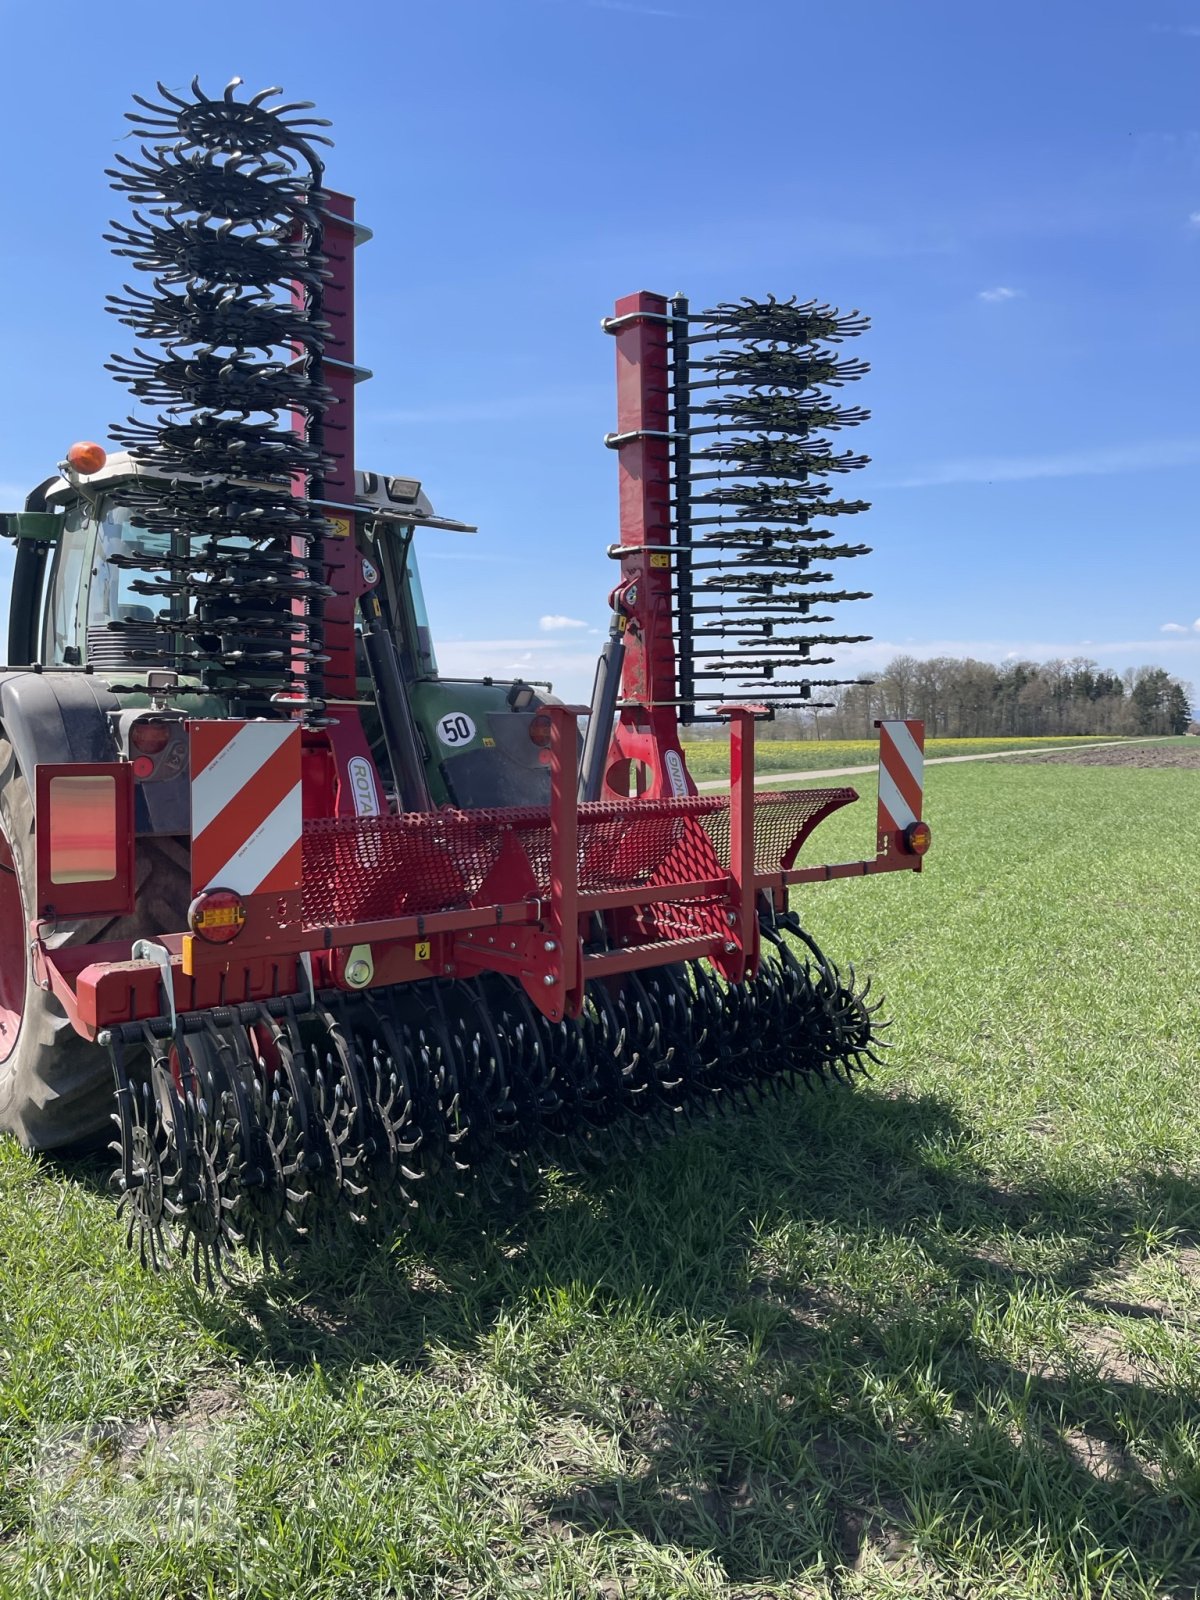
56,717
55,1086
65,716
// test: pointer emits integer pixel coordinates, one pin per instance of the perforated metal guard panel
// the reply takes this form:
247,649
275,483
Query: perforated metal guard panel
361,869
626,845
783,820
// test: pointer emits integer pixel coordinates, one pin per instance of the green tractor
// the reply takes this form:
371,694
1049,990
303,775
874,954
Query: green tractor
312,923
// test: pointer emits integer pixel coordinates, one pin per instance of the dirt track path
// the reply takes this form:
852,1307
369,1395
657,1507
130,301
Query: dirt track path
933,761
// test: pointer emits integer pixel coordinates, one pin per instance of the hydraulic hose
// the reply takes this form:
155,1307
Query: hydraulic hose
396,719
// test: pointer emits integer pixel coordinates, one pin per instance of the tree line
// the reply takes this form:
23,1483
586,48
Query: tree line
974,699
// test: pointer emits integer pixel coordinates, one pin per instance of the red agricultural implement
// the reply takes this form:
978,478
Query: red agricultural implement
331,922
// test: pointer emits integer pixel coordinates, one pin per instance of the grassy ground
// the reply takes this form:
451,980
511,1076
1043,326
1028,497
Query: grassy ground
709,758
934,1336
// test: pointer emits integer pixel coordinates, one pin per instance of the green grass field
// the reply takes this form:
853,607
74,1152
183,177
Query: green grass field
935,1336
709,758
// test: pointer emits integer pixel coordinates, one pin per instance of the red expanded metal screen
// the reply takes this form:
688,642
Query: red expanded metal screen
783,820
623,845
361,869
358,869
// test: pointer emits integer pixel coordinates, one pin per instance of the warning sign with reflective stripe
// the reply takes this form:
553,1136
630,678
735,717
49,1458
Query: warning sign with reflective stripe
901,774
246,813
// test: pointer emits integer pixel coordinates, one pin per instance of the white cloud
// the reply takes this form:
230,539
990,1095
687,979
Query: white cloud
1172,627
557,624
1000,292
1196,625
1194,218
569,664
1098,462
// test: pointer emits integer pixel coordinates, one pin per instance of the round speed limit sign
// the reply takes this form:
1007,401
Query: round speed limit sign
455,729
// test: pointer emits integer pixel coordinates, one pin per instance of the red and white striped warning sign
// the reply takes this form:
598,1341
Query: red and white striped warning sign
246,815
901,774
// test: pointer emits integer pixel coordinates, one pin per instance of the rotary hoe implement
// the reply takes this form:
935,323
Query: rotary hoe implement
321,930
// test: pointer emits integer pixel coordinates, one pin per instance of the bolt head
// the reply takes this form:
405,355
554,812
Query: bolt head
730,947
358,972
550,947
549,979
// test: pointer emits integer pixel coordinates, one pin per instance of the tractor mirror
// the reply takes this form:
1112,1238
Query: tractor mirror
39,527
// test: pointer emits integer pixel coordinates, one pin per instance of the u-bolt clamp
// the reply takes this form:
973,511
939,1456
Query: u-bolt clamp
150,950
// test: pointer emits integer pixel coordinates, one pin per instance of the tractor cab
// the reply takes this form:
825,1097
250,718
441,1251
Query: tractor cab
99,568
92,591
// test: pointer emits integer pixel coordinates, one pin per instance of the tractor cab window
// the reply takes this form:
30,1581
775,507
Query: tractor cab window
60,637
88,591
403,600
112,598
427,662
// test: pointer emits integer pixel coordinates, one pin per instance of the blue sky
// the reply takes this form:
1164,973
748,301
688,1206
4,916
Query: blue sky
1011,192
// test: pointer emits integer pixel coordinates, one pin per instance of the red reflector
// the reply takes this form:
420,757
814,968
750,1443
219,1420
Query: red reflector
540,730
918,836
150,737
217,916
143,767
83,829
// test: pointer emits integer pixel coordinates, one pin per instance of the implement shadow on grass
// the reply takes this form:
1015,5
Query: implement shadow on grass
859,1385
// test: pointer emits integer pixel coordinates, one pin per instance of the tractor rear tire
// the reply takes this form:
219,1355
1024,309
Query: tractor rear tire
56,1087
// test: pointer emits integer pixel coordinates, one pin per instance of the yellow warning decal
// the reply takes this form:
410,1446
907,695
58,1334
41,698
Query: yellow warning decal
339,527
423,949
660,561
489,744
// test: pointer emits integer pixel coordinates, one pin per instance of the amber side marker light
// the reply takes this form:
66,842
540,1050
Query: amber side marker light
918,836
217,916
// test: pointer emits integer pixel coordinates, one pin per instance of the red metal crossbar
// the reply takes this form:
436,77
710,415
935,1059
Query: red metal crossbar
464,892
